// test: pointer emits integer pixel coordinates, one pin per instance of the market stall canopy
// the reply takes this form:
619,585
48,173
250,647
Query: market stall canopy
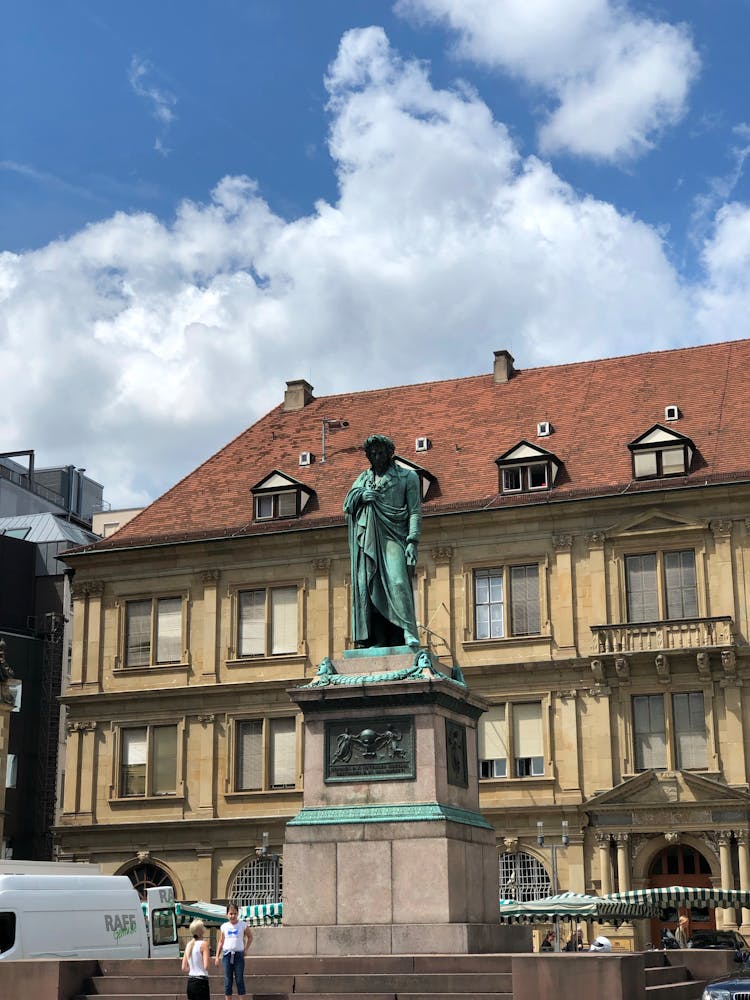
682,895
573,906
212,914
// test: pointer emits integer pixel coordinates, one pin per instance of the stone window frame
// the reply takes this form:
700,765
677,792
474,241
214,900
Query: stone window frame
120,605
547,776
677,540
629,768
116,796
233,657
234,721
469,623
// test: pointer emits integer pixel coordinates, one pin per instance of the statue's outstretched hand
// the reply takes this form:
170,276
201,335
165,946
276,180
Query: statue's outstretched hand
368,494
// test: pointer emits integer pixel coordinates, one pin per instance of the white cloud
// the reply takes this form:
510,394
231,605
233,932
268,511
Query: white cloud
617,79
161,101
144,345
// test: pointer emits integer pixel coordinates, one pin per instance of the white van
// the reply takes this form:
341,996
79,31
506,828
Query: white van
84,916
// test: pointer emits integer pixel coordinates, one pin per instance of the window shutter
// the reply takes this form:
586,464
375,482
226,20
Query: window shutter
650,732
527,730
640,576
283,753
690,731
524,600
682,589
284,620
169,630
133,757
250,756
252,623
492,734
138,633
165,760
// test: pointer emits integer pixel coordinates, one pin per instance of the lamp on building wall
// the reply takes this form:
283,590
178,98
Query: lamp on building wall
564,841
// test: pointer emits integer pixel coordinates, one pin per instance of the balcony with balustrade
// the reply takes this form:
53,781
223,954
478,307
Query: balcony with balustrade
686,634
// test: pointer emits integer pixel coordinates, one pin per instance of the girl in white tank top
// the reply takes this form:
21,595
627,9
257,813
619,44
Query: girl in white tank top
195,963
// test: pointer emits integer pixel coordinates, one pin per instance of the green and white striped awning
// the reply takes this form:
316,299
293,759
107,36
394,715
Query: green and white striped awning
213,914
682,895
572,906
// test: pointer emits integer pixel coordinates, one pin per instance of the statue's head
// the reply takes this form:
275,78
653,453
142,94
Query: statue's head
379,440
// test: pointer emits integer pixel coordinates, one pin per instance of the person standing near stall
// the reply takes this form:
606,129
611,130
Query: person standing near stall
234,943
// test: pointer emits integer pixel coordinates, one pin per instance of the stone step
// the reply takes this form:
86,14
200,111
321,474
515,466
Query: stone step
129,986
666,974
471,983
692,990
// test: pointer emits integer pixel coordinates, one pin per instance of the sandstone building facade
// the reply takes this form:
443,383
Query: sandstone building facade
585,559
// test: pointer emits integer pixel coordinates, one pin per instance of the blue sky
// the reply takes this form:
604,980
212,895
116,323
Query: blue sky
200,201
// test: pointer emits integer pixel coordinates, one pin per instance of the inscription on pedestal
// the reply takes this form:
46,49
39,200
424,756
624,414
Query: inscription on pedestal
370,750
455,744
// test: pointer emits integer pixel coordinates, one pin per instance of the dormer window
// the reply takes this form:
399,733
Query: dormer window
661,452
527,468
280,496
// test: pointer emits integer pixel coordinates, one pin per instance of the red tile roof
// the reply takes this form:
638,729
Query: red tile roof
595,407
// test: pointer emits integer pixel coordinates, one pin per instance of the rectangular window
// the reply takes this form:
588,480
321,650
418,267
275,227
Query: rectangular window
268,506
538,477
153,624
690,731
649,732
493,750
148,761
490,586
266,754
267,622
11,771
512,481
644,464
661,585
681,585
528,740
512,731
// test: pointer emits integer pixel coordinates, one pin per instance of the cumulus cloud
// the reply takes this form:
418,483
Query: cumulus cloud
144,345
615,79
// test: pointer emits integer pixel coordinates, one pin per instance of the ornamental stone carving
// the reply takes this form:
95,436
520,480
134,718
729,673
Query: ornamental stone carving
510,845
210,577
442,554
595,539
622,668
721,528
603,839
322,564
661,662
143,856
206,720
598,671
703,663
562,543
729,662
80,726
672,837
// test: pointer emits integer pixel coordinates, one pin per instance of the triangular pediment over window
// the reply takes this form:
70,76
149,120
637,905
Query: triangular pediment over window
661,452
426,479
527,468
278,495
654,521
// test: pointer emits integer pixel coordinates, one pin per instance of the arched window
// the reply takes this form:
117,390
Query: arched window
522,877
258,881
145,875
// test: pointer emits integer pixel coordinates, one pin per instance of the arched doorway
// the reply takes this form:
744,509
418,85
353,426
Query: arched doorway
681,864
258,881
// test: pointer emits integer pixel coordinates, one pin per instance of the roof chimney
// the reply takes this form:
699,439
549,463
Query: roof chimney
503,370
298,394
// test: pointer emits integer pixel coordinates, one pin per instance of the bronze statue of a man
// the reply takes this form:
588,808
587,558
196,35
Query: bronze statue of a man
384,511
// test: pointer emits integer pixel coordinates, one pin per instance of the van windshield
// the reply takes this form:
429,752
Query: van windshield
7,930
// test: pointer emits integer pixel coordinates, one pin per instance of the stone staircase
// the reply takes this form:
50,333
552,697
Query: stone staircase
669,982
387,977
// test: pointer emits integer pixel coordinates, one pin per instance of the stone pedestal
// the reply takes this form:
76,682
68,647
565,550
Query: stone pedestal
390,853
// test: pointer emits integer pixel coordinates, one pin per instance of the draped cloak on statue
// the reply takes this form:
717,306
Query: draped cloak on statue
378,534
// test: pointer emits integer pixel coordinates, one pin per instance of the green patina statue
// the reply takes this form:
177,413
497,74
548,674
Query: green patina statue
384,511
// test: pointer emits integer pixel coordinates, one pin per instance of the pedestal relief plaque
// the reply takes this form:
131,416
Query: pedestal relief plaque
455,744
370,750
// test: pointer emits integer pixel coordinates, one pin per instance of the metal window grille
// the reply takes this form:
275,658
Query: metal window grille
259,881
522,877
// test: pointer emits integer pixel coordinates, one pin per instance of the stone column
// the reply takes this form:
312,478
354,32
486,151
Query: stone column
729,921
207,765
597,578
743,844
92,664
605,867
443,623
623,862
733,743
